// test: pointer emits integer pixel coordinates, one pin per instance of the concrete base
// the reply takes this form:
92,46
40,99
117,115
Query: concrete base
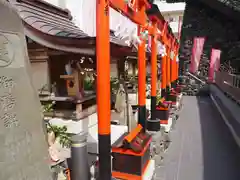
180,96
177,105
116,132
167,127
179,102
150,171
89,126
148,104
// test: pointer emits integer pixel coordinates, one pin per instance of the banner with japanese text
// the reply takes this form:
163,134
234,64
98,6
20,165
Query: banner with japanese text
214,64
197,50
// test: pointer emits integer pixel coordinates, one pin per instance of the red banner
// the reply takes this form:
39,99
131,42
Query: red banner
214,64
197,50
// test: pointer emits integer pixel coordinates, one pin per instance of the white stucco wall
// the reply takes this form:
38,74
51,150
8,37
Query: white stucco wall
113,70
40,74
174,26
84,15
169,7
173,10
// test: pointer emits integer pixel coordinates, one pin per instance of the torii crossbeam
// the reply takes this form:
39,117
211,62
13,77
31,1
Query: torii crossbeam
135,11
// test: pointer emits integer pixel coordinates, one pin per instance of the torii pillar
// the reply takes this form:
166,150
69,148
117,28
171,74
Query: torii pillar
103,89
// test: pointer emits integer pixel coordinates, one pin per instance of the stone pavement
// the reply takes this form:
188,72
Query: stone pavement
202,147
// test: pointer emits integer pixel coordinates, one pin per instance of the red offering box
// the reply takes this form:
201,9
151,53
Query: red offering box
131,154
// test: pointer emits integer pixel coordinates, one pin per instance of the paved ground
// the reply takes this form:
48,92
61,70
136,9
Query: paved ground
202,147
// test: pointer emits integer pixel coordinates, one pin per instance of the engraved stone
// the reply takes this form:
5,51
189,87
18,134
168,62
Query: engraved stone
23,146
6,55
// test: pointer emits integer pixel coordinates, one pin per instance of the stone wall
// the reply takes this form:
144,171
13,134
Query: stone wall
220,32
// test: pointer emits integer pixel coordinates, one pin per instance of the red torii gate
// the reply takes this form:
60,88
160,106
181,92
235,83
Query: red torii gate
137,14
169,66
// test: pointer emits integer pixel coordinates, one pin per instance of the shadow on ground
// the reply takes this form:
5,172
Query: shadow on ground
221,155
202,147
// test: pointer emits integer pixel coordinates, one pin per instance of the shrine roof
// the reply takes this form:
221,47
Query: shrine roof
53,27
48,18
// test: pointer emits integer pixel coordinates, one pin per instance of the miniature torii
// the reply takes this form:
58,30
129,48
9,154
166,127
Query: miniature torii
134,10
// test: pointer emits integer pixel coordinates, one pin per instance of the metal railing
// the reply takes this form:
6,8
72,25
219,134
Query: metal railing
196,78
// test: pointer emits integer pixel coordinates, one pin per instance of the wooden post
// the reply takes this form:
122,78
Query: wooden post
153,72
174,68
154,124
176,64
164,64
142,73
103,89
177,68
168,68
172,63
164,75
